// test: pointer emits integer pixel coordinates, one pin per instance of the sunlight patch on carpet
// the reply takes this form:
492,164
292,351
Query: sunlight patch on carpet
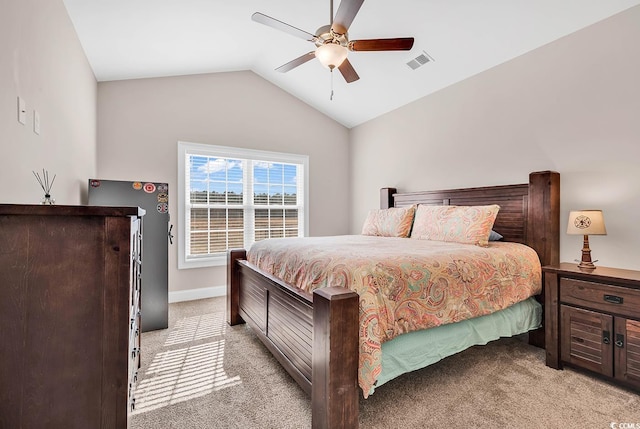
196,328
183,374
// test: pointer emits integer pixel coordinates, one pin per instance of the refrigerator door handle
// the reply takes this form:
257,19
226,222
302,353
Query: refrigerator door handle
170,234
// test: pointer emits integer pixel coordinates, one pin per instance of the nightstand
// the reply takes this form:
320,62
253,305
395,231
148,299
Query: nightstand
592,321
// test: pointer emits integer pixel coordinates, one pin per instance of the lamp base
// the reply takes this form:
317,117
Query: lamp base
586,263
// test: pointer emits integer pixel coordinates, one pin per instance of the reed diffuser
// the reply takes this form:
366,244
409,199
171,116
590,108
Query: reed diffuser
46,185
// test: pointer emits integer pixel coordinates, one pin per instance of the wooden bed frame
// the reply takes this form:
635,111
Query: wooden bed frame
315,336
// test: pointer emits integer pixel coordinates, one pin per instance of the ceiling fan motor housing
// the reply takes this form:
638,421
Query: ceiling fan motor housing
325,35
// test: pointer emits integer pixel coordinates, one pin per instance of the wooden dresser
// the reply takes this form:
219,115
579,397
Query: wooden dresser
592,321
69,315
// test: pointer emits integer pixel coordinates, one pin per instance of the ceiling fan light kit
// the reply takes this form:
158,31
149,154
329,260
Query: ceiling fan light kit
332,41
331,55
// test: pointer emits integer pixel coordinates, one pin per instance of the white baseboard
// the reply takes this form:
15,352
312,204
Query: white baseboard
200,293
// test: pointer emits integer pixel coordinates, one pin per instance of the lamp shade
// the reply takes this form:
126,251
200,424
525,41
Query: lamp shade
586,222
331,55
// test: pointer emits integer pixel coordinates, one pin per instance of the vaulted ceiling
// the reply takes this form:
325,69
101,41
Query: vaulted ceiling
125,39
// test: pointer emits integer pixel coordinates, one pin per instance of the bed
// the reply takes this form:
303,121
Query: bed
315,336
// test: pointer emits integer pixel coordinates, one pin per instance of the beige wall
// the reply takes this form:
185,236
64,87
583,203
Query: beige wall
41,60
572,106
140,122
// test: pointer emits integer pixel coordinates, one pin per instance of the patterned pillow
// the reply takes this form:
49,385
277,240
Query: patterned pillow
391,222
461,224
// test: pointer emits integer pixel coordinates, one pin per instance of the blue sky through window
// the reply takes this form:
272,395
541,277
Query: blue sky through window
220,174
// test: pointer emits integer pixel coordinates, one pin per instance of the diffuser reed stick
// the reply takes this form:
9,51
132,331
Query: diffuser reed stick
46,185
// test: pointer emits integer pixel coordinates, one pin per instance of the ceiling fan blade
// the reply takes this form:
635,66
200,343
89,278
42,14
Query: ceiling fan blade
398,44
282,26
347,11
297,62
348,72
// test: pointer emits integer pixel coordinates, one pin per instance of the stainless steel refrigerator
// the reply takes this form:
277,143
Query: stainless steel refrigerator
156,235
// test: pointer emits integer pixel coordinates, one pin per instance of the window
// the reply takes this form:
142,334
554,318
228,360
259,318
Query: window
231,197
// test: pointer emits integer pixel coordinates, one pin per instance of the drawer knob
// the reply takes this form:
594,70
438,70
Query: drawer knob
619,340
613,299
606,337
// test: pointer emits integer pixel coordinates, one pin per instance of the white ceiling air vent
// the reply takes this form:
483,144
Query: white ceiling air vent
420,60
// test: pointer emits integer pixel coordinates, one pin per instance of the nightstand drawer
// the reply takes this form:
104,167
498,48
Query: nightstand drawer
609,298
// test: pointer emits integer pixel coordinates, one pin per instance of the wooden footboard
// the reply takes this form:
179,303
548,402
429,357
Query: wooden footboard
314,337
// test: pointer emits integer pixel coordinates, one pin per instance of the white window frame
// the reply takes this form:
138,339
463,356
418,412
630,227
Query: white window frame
190,148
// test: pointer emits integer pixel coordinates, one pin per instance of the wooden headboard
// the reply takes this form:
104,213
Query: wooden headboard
529,213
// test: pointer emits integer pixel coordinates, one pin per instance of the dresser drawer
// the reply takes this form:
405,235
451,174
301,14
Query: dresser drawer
598,296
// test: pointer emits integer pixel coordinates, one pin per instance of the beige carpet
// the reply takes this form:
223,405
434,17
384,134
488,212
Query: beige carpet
202,373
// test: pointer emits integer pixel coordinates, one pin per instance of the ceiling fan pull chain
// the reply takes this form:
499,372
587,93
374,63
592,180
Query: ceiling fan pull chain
331,96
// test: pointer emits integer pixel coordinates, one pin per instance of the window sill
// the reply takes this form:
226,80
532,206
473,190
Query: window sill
212,261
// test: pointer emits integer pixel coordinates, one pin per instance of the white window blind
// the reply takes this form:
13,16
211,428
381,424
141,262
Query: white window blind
232,197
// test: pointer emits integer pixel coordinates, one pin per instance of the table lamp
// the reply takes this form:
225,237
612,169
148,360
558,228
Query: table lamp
586,223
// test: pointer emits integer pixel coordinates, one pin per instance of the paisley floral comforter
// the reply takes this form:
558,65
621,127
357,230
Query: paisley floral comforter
404,284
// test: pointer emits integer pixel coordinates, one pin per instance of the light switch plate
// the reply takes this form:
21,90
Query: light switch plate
22,111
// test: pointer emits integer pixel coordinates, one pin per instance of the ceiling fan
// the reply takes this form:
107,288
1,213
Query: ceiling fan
332,41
